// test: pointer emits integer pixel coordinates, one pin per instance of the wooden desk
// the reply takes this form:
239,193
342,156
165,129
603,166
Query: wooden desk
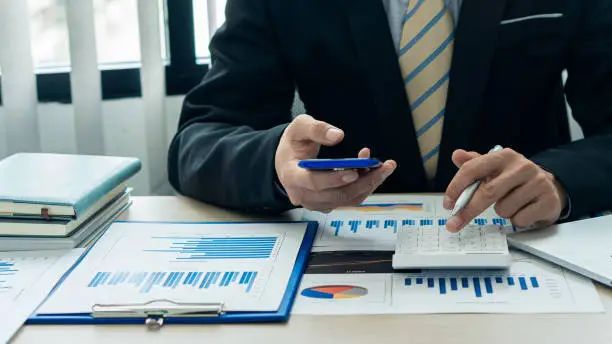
414,329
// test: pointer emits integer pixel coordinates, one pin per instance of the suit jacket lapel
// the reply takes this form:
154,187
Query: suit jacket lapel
380,65
475,41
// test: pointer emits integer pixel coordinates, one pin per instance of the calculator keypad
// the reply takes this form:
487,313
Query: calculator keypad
430,238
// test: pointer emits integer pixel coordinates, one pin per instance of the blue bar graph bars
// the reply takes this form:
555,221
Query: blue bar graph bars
6,269
355,225
205,248
408,222
146,281
499,221
391,224
480,221
481,285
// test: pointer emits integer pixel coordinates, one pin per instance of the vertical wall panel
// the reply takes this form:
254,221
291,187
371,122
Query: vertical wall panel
85,77
18,79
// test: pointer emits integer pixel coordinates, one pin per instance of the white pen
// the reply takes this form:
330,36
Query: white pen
467,194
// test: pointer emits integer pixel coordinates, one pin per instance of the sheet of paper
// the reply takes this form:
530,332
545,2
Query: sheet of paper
244,266
26,278
374,224
342,283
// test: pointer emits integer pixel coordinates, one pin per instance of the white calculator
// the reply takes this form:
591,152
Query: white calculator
427,244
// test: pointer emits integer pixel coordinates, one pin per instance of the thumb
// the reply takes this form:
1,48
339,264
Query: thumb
461,156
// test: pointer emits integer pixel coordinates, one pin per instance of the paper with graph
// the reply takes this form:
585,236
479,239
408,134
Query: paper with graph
373,225
531,285
26,278
245,266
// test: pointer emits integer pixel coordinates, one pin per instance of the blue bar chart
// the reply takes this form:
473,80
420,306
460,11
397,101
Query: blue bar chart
378,225
499,221
364,227
479,286
145,282
7,269
201,248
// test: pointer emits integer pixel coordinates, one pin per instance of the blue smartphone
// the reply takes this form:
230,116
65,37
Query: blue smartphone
339,164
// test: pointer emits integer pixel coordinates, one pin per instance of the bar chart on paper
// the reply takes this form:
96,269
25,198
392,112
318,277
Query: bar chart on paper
198,248
242,266
7,271
529,286
368,224
147,282
479,286
17,272
26,278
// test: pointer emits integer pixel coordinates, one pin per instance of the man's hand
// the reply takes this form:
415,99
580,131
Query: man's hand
521,190
319,190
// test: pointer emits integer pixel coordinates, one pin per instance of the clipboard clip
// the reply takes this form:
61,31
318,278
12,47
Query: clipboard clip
156,311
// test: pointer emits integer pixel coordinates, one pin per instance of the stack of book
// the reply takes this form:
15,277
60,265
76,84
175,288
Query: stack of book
61,201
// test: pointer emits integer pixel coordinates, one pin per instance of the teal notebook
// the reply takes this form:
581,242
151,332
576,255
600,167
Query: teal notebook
44,185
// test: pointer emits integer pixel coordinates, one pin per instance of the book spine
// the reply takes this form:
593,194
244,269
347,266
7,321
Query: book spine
122,174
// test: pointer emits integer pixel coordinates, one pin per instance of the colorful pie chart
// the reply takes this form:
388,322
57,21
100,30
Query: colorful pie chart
334,292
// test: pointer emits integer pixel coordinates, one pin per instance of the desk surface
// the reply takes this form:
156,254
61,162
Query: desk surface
472,328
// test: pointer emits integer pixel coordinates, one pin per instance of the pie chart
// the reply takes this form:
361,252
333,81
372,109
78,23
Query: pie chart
334,292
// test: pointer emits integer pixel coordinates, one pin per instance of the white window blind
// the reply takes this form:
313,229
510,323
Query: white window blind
153,82
86,42
85,77
18,81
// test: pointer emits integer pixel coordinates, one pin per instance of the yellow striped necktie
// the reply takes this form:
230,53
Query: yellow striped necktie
426,48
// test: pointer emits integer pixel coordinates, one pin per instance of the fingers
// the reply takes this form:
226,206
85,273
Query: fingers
364,153
320,180
509,205
533,214
515,173
351,194
305,128
460,157
368,183
478,168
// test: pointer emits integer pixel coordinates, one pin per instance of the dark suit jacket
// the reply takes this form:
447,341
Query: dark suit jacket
505,88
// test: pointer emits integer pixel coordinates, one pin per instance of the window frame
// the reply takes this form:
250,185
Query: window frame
123,81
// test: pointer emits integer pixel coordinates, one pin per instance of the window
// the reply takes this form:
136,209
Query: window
184,34
203,23
49,33
116,25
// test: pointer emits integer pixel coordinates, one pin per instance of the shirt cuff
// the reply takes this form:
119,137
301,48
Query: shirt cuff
280,189
565,213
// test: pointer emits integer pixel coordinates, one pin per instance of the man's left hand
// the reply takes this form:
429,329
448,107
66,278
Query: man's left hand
521,190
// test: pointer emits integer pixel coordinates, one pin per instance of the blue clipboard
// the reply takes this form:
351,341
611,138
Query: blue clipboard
212,317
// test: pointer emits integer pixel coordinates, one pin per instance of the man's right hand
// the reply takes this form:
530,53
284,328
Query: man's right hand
320,190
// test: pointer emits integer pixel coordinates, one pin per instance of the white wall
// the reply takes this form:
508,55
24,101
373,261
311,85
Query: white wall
123,133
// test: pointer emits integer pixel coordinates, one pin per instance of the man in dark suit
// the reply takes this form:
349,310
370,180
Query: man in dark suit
430,85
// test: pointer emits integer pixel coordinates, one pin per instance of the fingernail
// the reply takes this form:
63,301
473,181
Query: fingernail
447,203
453,224
350,177
333,134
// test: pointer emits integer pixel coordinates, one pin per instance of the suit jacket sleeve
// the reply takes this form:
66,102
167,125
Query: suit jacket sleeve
231,123
584,167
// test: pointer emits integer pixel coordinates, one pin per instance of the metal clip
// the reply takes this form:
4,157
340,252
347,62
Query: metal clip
156,311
